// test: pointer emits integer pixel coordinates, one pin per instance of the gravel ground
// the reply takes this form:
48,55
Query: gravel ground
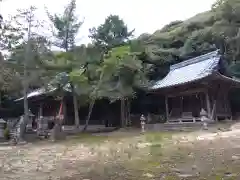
126,155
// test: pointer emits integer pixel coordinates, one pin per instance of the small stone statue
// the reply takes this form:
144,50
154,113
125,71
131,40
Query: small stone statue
57,132
20,129
143,122
204,118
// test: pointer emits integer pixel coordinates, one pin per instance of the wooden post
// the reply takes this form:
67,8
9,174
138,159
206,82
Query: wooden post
214,110
64,106
181,99
41,110
213,113
208,104
167,110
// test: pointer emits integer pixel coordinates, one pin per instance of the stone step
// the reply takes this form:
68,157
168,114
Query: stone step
174,126
185,119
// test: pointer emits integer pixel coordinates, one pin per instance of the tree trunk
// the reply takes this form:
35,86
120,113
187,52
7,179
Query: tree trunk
123,119
23,123
64,109
25,81
0,99
128,114
91,105
57,132
75,104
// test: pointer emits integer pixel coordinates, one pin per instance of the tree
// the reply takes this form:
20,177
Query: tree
1,18
121,74
199,42
9,79
85,88
217,4
112,33
171,25
109,35
40,52
87,78
67,26
228,26
26,23
227,9
9,38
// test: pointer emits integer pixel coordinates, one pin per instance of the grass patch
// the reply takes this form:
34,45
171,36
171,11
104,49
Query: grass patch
157,141
157,137
87,138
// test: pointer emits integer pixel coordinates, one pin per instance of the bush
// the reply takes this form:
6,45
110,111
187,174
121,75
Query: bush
6,133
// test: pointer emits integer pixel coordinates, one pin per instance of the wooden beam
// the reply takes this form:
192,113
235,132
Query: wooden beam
187,92
167,110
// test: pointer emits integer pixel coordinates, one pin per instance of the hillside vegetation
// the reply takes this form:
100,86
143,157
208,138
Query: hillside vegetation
207,31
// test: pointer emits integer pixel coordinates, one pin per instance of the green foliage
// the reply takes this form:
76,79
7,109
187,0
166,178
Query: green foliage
227,9
171,26
234,69
199,42
122,73
29,54
60,80
207,31
112,33
217,4
10,35
81,81
66,26
10,80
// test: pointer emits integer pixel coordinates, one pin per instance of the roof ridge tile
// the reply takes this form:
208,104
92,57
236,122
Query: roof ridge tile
197,59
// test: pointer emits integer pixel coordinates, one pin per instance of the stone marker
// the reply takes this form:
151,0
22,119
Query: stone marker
2,126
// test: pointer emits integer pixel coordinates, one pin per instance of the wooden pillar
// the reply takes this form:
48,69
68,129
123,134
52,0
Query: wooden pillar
208,104
41,109
167,110
181,99
64,106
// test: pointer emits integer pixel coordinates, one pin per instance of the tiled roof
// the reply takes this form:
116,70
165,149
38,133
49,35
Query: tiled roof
37,92
50,88
190,71
42,91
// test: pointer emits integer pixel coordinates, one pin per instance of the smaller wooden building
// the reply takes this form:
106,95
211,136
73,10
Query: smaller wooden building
47,102
197,83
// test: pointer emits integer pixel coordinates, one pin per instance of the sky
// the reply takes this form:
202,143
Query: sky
141,15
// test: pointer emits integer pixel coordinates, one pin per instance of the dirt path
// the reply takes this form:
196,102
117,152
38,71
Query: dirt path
40,161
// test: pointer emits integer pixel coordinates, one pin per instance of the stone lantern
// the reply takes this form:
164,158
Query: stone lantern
2,127
143,122
204,118
42,128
